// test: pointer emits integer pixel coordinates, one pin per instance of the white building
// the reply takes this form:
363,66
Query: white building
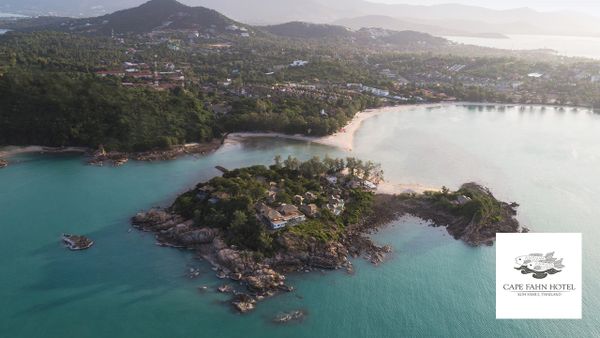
376,91
299,63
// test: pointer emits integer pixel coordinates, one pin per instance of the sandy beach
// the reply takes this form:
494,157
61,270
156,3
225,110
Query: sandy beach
343,139
399,188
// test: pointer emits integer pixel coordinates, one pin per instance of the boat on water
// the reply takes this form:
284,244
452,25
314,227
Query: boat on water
75,242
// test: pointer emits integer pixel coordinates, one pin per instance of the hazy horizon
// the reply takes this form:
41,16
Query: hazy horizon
581,6
484,17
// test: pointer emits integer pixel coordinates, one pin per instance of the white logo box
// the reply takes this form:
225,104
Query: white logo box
538,276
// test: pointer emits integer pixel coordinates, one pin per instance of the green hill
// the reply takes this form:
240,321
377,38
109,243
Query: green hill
151,16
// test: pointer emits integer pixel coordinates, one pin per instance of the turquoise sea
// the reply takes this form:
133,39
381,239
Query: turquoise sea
547,160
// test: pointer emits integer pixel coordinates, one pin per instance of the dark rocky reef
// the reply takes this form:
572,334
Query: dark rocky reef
290,317
117,159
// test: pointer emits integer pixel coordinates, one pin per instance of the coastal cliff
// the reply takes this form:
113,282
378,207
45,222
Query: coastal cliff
256,224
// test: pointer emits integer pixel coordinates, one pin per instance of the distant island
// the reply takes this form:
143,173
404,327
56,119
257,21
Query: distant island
257,223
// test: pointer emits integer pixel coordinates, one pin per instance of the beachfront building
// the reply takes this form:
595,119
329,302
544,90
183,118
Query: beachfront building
376,91
368,185
291,213
298,200
285,215
336,205
309,196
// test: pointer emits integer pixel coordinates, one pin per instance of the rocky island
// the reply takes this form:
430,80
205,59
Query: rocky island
76,242
3,163
256,224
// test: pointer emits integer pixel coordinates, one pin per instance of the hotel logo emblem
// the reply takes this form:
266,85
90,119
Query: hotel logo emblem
538,276
539,265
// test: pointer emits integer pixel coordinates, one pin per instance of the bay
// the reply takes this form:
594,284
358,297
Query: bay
579,46
125,286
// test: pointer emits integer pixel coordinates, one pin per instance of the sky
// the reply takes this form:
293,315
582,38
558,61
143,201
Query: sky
585,6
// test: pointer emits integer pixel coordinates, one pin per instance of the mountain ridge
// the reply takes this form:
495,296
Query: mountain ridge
170,16
470,20
145,18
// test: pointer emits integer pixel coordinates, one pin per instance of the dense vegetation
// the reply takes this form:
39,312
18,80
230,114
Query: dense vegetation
77,109
239,191
292,115
240,79
472,202
51,96
50,51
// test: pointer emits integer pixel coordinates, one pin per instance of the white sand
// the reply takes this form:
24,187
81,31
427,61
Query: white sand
395,188
343,139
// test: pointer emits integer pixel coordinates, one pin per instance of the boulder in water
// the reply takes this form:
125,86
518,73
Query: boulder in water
75,242
288,317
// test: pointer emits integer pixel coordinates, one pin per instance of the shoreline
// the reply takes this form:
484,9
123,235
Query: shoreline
98,157
343,139
9,151
249,278
391,188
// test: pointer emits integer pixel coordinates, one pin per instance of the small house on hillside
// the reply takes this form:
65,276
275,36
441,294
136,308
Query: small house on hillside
299,63
291,214
285,215
336,205
310,210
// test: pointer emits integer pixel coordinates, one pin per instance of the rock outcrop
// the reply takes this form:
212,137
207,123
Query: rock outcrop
475,222
290,317
259,278
243,302
264,277
117,159
300,253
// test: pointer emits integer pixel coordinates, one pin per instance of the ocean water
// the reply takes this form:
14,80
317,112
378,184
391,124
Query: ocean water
579,46
125,286
9,15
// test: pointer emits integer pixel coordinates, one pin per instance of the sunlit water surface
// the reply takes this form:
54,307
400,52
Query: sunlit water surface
125,286
580,46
